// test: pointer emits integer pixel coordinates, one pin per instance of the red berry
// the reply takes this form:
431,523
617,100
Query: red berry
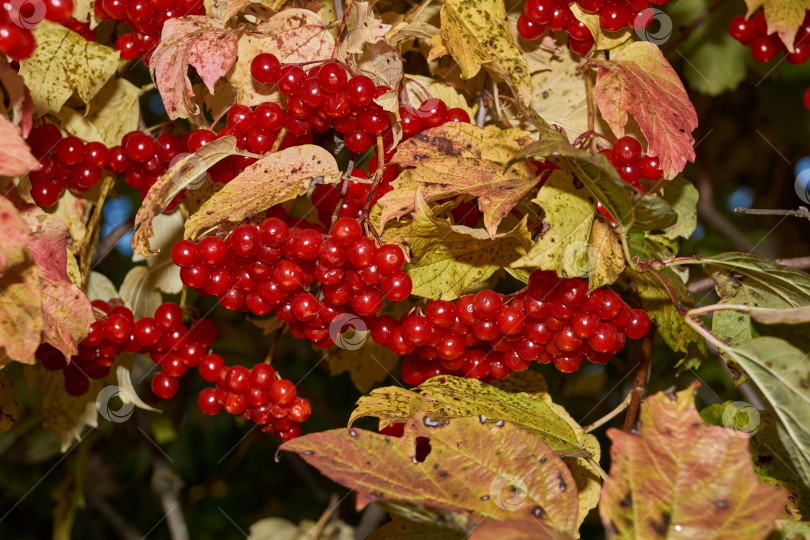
291,80
366,303
397,286
360,90
346,232
265,68
539,11
210,366
638,326
567,363
245,241
140,147
282,392
208,403
164,385
614,17
604,339
510,320
742,29
763,49
332,77
169,316
432,112
529,29
184,253
626,151
487,304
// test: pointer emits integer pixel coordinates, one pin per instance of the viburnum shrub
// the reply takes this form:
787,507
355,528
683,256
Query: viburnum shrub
480,212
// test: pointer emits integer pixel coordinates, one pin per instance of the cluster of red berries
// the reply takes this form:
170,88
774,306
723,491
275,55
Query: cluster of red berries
64,162
169,343
753,32
146,18
490,335
253,394
632,165
18,18
556,15
326,97
274,267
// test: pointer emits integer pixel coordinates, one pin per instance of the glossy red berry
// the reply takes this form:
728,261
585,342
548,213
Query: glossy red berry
265,68
529,29
207,401
626,151
164,385
332,77
282,392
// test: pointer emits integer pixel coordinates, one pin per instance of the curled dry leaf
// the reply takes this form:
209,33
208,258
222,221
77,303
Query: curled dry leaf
187,172
365,29
109,116
193,40
681,477
461,159
293,35
277,177
475,34
62,63
628,83
466,473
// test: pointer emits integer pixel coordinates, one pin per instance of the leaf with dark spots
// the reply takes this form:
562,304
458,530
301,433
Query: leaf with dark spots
666,478
462,446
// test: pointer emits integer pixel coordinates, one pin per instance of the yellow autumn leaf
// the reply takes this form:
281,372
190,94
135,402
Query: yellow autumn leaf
62,63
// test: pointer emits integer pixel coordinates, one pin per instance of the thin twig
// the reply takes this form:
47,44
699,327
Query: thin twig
640,382
115,520
106,244
93,228
801,212
591,112
716,219
279,140
609,416
167,484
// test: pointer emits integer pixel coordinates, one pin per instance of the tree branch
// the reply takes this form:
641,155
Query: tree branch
801,212
167,485
640,383
717,220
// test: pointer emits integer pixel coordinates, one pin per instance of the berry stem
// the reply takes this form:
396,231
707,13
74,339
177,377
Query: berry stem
378,175
218,118
279,140
343,188
591,113
272,352
93,229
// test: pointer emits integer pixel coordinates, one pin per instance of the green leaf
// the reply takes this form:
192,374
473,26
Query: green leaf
679,474
62,63
682,196
630,207
782,374
470,469
568,212
656,301
450,259
446,397
790,284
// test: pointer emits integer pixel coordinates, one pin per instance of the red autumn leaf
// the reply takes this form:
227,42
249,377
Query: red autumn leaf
683,477
630,83
15,156
197,41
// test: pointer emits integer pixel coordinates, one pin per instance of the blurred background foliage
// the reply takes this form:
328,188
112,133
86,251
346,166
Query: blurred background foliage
221,475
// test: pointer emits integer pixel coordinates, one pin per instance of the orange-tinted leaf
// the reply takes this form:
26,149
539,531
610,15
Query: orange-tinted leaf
196,40
640,81
473,471
683,478
15,156
20,314
14,232
461,159
277,177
